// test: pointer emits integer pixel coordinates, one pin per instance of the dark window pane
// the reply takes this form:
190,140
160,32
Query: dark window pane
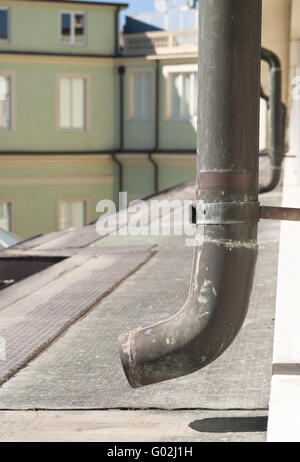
66,25
79,20
3,24
79,26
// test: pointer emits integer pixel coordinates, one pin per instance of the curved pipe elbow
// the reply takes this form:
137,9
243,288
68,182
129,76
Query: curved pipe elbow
271,58
274,182
206,325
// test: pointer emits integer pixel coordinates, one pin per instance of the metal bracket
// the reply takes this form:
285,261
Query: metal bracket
279,213
225,213
239,212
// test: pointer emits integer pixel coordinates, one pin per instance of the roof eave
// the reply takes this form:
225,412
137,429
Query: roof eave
120,6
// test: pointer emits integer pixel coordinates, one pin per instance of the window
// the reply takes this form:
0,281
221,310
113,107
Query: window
6,216
4,29
72,213
140,96
5,102
73,100
183,95
73,28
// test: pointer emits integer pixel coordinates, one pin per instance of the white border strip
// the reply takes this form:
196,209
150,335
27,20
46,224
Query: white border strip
284,410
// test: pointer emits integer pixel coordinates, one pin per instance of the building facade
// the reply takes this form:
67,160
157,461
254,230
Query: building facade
84,114
66,141
57,111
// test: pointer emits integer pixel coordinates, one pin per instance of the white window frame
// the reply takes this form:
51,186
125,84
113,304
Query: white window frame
69,199
12,212
87,79
4,8
72,37
12,76
131,74
168,73
263,125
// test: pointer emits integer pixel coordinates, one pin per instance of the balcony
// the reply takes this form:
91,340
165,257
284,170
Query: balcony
161,43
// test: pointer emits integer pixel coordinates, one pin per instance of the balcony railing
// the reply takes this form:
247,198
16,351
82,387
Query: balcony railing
160,43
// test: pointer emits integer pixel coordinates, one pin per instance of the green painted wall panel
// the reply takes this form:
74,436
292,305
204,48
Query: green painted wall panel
36,206
139,135
54,170
37,109
138,181
172,176
178,135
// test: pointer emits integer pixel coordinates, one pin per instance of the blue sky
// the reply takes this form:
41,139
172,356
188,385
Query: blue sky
135,6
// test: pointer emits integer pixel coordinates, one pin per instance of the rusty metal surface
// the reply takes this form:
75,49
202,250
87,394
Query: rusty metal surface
227,181
35,312
174,347
73,238
19,268
38,240
279,213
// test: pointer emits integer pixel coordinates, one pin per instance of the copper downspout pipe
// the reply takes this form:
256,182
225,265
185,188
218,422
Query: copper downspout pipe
227,203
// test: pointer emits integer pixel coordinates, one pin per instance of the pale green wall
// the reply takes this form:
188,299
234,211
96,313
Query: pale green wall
172,176
36,108
139,135
138,181
177,135
36,205
35,26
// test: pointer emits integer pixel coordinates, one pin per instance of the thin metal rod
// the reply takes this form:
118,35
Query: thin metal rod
157,108
120,171
121,72
156,171
279,213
